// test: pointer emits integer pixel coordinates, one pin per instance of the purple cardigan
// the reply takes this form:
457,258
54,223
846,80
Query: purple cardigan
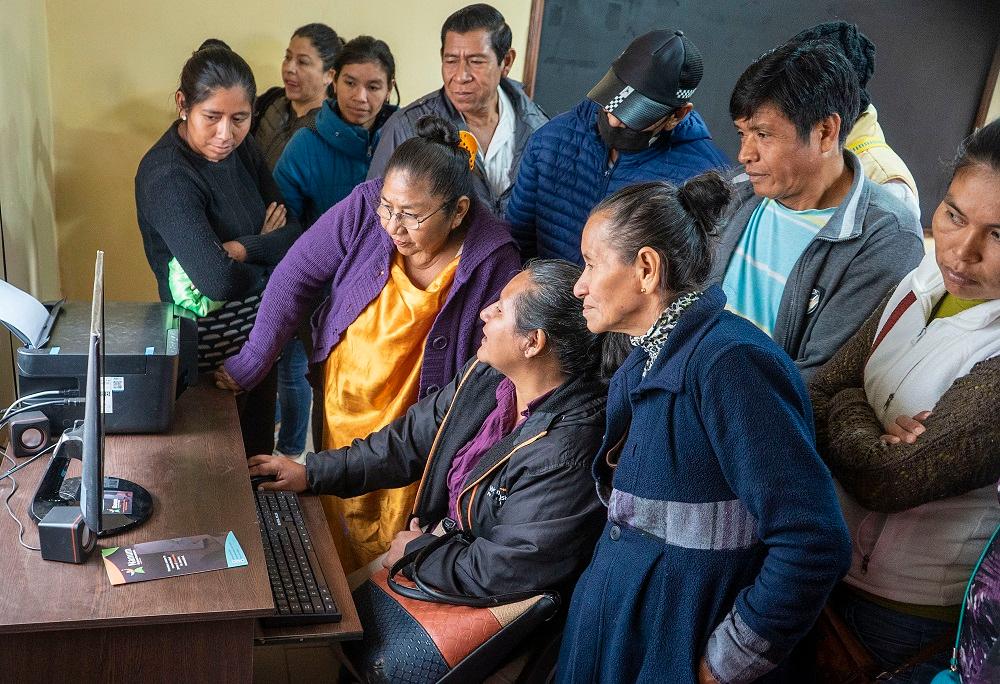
348,251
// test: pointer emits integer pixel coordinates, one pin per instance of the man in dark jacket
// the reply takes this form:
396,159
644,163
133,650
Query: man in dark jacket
637,125
477,97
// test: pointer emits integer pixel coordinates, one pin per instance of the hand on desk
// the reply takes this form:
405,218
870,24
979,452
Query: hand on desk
398,547
223,380
289,475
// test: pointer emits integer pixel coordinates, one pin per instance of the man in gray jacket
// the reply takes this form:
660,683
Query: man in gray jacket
477,96
809,245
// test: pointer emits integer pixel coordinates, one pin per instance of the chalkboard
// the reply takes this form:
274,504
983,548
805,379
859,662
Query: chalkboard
933,58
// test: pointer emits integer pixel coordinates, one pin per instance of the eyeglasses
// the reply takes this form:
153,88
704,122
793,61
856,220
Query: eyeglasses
407,221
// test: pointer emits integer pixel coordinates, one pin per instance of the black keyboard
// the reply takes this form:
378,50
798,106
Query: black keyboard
301,593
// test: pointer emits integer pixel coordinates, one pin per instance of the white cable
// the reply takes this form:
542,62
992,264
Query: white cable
21,400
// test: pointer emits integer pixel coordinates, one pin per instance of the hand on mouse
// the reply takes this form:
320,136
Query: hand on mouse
288,475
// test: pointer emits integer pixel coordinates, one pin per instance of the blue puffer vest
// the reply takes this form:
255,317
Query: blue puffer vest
564,173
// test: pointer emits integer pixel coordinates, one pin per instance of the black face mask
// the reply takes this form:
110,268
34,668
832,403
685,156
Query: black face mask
625,139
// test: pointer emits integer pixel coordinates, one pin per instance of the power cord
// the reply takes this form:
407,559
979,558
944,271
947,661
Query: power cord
10,412
13,489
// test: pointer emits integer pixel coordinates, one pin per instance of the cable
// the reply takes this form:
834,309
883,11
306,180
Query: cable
10,413
13,489
45,393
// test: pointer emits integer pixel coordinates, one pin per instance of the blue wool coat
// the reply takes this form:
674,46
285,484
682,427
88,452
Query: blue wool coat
322,164
564,173
724,536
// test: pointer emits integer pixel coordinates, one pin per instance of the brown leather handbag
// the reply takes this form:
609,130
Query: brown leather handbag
416,633
841,658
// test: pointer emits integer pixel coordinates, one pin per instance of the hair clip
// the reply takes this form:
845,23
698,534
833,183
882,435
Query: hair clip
468,142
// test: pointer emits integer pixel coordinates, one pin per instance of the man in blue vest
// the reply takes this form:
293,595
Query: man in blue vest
638,124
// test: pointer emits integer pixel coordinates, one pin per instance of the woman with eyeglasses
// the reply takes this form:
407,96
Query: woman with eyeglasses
406,263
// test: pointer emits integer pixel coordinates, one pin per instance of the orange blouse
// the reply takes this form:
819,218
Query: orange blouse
372,377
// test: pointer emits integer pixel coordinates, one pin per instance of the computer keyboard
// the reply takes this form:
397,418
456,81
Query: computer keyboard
301,593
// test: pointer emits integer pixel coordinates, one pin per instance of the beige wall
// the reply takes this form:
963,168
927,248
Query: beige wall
994,111
28,245
114,69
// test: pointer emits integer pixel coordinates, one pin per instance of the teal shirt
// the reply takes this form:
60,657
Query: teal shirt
773,241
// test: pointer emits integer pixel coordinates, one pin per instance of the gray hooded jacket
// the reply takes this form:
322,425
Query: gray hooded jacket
868,245
402,125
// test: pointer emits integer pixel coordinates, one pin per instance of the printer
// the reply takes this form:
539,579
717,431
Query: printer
150,357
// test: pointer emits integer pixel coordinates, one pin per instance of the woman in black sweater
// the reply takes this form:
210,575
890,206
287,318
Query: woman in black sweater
206,201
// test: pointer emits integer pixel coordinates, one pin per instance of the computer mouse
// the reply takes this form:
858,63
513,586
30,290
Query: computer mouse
257,479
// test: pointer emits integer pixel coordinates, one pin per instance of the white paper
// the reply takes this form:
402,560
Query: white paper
22,314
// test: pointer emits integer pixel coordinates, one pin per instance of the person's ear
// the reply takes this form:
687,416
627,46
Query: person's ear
677,116
462,205
829,133
329,76
507,62
179,101
647,270
536,341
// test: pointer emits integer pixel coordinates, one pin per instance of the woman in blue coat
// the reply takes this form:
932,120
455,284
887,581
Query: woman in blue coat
724,534
321,164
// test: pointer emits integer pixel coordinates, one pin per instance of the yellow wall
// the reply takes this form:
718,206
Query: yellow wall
28,245
994,110
114,69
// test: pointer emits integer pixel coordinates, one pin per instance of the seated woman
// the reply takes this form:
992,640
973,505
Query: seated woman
322,163
307,74
209,211
906,418
724,537
406,267
522,419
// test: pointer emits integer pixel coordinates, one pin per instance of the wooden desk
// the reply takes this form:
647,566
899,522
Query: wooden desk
62,622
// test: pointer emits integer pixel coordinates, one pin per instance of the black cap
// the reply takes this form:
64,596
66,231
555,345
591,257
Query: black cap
657,73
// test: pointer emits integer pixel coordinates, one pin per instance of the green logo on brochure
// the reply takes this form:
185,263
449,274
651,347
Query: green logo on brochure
131,572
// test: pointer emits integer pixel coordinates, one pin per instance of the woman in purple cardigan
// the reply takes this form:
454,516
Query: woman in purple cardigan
406,263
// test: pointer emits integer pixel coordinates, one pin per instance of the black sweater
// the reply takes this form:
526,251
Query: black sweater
188,206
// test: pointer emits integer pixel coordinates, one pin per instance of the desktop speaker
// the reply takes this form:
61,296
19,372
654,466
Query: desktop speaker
64,537
29,433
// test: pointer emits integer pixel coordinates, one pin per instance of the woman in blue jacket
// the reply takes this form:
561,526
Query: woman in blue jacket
724,536
322,163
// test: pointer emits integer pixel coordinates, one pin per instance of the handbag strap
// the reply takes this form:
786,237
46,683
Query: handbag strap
904,304
920,656
425,592
953,663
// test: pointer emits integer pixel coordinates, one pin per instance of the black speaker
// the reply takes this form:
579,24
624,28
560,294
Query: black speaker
29,433
64,536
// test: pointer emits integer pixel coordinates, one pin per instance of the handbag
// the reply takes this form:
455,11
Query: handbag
841,658
415,633
951,675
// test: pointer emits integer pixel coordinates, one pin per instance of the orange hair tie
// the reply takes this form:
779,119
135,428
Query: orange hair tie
467,142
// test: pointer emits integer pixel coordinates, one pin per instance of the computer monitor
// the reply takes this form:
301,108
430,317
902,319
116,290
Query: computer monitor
109,504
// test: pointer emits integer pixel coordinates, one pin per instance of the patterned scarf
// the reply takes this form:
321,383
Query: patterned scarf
656,336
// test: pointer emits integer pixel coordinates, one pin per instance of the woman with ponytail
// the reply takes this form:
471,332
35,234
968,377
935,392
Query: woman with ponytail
724,536
307,74
406,265
213,222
